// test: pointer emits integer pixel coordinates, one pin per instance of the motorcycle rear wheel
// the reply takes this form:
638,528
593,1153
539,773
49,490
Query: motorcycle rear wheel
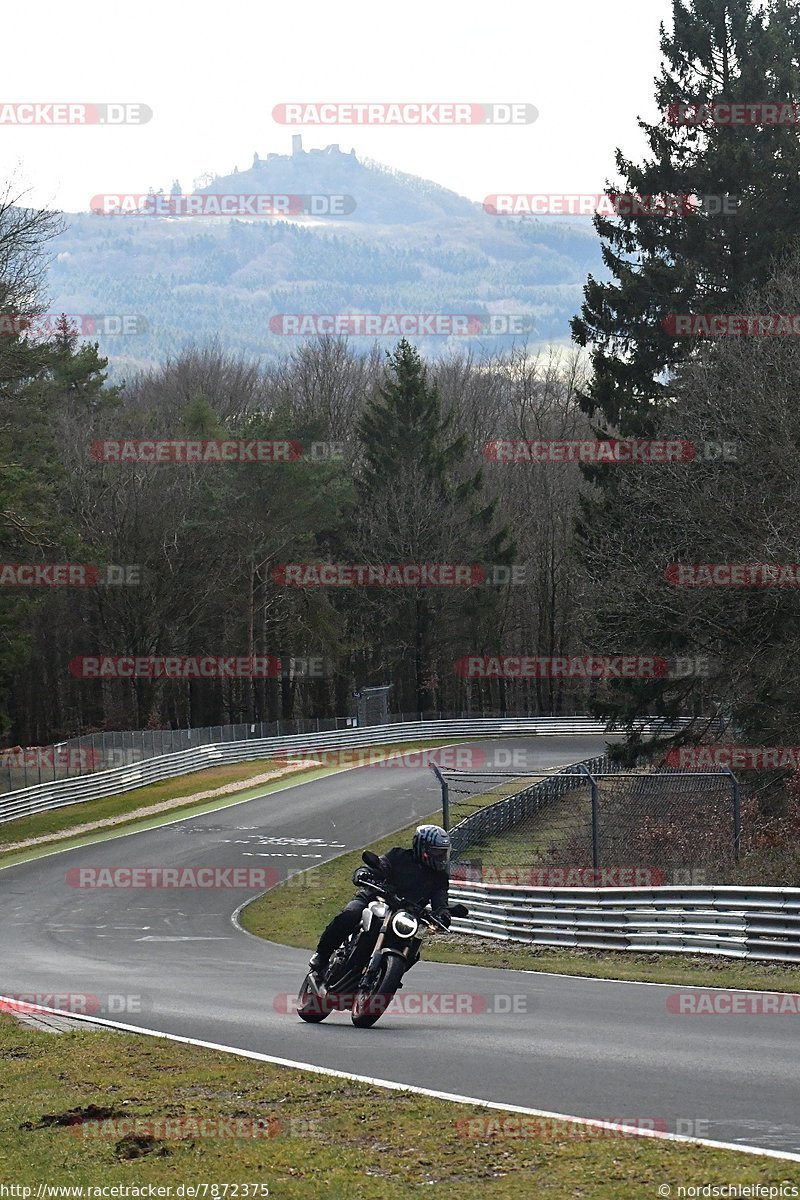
371,1003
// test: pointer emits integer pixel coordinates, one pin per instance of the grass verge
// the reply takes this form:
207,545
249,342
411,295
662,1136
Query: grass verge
295,915
124,803
125,806
329,1137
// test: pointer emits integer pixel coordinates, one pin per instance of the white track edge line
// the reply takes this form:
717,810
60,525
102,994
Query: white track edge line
272,791
194,816
301,783
393,1085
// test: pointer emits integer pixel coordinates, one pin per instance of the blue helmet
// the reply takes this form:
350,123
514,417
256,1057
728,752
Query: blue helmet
431,847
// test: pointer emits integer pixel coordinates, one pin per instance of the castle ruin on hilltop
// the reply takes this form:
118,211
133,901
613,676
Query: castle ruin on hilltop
298,152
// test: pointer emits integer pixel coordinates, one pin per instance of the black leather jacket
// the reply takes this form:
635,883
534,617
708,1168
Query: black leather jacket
411,880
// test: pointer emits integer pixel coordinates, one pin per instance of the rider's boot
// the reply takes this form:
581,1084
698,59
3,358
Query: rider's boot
317,965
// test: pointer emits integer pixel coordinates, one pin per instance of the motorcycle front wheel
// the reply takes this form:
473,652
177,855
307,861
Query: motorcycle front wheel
371,1003
310,1006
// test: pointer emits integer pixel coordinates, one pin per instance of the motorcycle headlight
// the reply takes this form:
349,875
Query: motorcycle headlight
404,925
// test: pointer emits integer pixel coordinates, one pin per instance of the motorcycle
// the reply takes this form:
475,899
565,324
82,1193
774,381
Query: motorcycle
365,971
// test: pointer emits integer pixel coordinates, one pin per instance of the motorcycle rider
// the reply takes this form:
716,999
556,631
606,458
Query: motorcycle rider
419,875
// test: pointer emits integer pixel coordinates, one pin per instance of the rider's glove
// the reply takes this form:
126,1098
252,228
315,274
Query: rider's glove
363,875
444,916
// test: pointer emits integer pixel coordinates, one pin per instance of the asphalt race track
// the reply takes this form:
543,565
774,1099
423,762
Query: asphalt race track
590,1048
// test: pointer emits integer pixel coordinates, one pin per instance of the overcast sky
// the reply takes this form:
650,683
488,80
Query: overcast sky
213,76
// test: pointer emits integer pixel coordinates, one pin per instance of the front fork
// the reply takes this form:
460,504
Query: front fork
373,966
371,970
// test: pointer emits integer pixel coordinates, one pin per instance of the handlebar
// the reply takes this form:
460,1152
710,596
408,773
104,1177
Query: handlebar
386,890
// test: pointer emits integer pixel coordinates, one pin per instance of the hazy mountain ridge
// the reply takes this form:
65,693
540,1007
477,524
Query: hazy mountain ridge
383,195
410,246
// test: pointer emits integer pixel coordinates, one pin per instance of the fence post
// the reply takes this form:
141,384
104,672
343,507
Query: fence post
737,826
595,817
595,826
445,796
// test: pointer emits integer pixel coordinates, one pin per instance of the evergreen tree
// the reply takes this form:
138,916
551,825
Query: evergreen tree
420,502
695,261
76,372
43,380
405,428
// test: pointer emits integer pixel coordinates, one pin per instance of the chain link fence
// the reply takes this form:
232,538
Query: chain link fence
22,767
597,823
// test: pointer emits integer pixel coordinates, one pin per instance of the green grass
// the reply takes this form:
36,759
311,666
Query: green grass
124,804
529,842
42,824
461,808
332,1138
296,915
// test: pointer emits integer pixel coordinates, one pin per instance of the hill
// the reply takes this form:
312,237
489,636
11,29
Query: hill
406,246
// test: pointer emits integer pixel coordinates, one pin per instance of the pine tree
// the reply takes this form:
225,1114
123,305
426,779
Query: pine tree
405,427
41,379
76,372
420,501
696,261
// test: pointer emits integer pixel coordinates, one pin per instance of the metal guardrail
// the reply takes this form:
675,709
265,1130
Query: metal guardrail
26,766
737,922
504,814
45,796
